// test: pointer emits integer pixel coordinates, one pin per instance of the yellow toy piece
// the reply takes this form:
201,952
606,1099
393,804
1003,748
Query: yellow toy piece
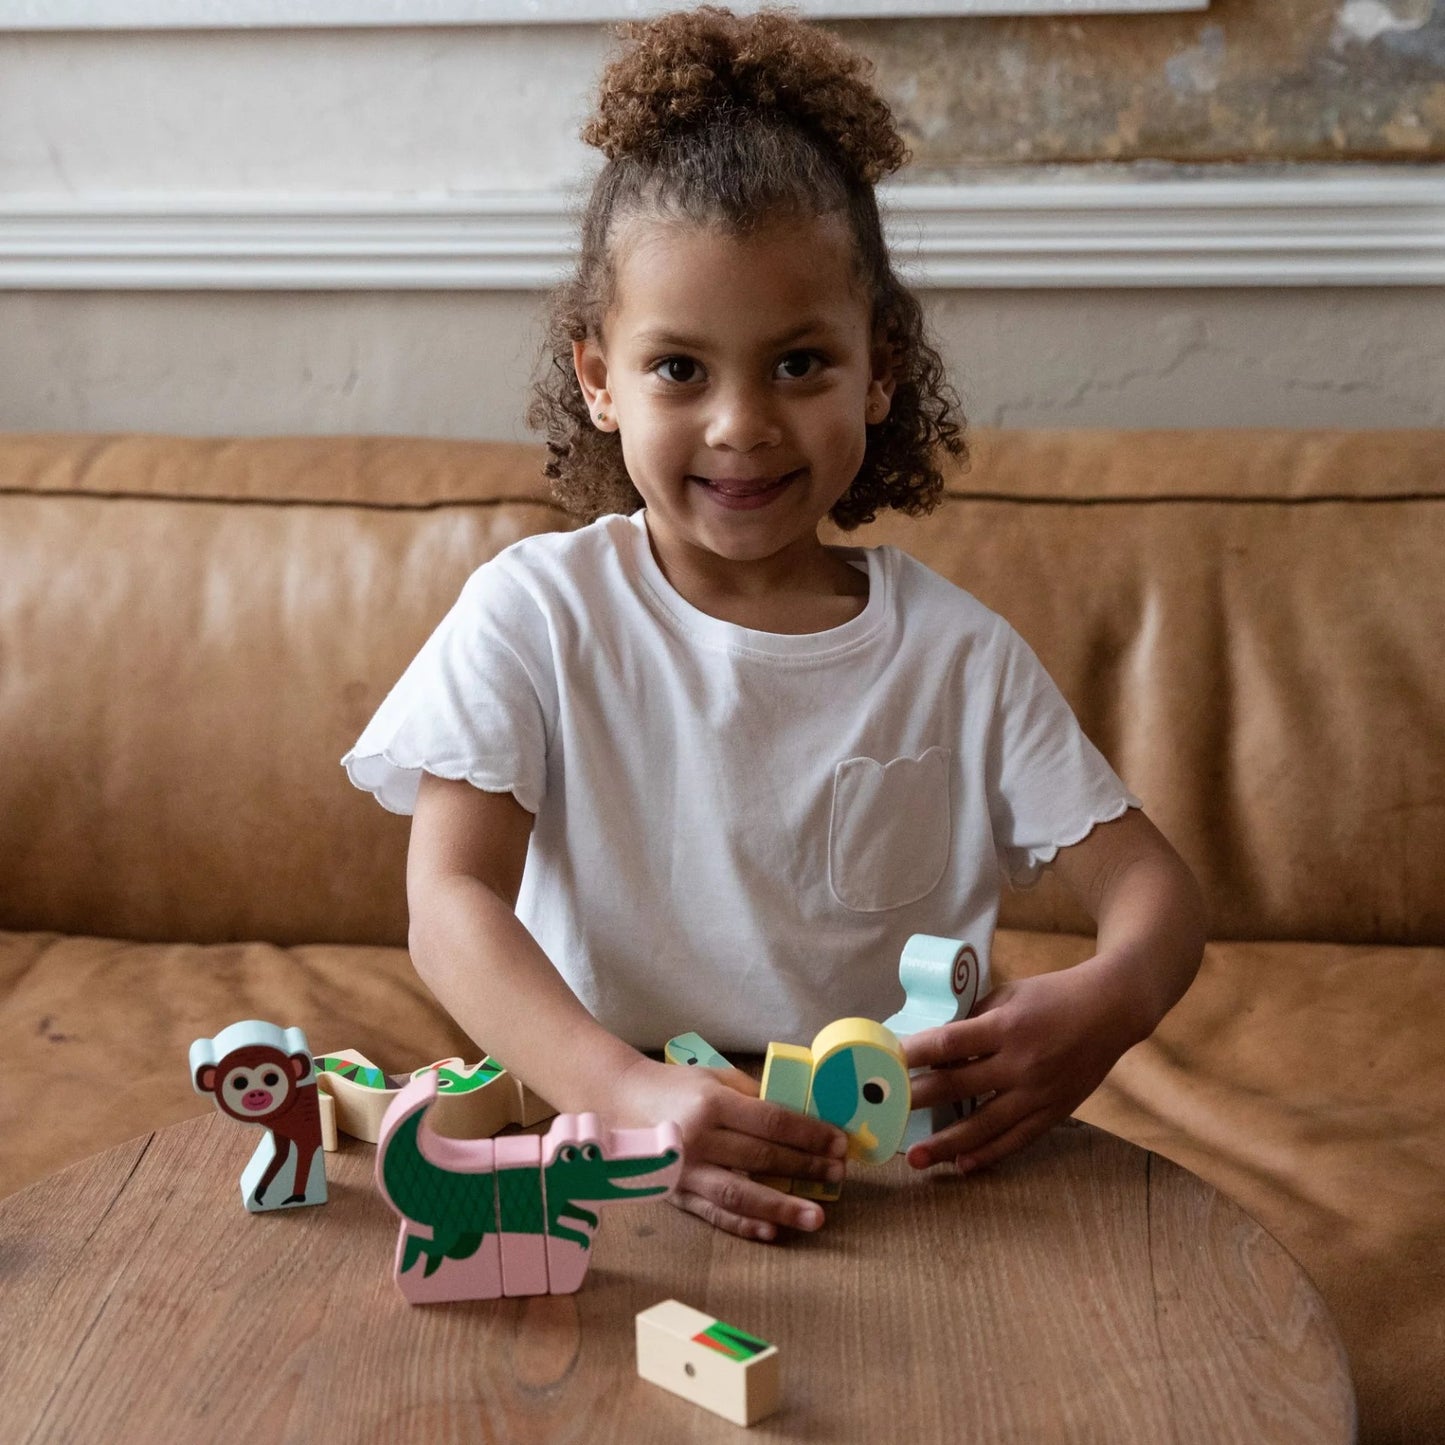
854,1076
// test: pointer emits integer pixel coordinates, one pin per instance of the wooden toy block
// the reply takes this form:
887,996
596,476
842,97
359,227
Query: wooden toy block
476,1100
694,1049
787,1078
481,1218
329,1142
717,1366
358,1093
942,981
260,1073
521,1214
853,1076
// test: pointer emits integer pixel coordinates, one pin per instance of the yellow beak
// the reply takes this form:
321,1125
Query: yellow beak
862,1142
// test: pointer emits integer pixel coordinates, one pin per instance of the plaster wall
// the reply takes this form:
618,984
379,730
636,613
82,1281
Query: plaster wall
500,106
459,365
466,111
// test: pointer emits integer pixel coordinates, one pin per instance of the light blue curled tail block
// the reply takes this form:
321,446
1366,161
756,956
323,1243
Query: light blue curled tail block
942,980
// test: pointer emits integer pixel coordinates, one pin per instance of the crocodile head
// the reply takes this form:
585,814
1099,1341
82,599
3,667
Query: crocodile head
584,1172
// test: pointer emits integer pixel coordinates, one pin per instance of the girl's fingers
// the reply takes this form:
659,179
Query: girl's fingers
993,1119
737,1080
746,1151
774,1125
1024,1132
969,1038
742,1206
967,1081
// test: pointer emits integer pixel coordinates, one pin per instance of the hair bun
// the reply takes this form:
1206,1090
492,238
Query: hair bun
691,67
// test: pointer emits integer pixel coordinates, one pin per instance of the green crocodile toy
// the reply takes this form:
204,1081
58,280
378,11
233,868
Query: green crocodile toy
483,1218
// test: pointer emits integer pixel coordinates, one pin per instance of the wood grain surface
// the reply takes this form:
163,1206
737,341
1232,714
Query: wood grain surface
1084,1290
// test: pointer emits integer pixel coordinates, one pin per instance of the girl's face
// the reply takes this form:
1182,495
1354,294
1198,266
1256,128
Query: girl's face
741,373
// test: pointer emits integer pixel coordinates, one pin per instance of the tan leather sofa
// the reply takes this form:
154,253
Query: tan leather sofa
1250,625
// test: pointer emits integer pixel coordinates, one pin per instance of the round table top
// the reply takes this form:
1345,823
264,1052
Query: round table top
1084,1289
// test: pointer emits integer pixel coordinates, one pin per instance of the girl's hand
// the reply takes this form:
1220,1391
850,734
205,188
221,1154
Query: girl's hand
726,1128
1038,1046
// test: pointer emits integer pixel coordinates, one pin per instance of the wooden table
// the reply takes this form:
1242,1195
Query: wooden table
1084,1290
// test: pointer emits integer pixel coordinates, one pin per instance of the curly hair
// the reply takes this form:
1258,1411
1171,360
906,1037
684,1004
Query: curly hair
717,119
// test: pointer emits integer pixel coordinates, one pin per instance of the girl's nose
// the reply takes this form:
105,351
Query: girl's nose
742,420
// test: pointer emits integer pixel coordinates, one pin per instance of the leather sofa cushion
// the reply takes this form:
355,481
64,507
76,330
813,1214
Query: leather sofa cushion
194,631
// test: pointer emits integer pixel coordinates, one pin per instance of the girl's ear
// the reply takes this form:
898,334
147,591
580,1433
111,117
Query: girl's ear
882,382
591,367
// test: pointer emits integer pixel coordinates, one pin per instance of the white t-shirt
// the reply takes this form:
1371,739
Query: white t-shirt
737,831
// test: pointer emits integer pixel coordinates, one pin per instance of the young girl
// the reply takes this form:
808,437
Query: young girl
689,768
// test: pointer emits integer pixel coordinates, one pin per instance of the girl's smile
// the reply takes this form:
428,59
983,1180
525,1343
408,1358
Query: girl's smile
741,373
745,493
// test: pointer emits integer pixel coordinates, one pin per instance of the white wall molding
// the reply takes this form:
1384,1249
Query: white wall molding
1345,227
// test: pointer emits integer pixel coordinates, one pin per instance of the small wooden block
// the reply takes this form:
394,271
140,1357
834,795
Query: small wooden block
714,1365
521,1214
329,1142
474,1101
693,1049
787,1078
942,980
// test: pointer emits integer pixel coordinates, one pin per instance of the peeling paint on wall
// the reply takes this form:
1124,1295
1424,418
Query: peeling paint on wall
1198,69
1367,20
1245,81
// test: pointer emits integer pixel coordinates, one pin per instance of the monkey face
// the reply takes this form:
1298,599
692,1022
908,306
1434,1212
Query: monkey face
255,1082
252,1093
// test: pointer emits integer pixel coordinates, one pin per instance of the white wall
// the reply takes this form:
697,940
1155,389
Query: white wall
175,116
458,365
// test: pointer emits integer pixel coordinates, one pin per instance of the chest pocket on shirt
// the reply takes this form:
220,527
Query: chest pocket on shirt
891,829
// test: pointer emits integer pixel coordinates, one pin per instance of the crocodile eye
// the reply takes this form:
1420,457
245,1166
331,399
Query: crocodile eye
591,1151
444,1084
567,1153
876,1090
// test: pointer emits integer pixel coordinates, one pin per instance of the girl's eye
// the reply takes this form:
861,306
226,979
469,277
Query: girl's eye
670,366
802,359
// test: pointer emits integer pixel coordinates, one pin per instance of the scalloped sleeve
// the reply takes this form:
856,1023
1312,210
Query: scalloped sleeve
1048,784
474,703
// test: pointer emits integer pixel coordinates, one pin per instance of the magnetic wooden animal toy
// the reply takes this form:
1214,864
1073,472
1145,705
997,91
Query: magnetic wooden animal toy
868,1111
483,1218
720,1367
262,1074
476,1100
853,1076
942,981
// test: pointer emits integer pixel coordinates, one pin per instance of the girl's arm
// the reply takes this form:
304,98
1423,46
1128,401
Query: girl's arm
1042,1045
464,870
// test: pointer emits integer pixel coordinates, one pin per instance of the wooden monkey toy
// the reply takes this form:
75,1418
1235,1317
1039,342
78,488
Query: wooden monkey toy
262,1074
